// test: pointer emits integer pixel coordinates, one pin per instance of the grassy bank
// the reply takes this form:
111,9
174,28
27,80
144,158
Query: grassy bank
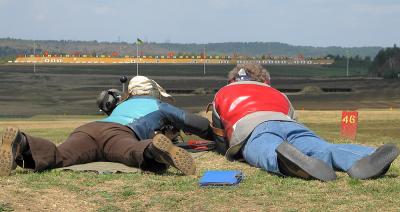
190,70
4,60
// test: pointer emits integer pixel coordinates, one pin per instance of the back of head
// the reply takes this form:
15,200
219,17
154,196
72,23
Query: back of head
249,72
141,85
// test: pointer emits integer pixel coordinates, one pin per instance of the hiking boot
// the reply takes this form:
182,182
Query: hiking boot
165,152
376,164
294,163
13,144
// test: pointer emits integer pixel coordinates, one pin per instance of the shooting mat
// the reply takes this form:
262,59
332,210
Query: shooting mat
101,168
110,167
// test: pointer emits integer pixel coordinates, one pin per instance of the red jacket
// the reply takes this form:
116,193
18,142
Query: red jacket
241,106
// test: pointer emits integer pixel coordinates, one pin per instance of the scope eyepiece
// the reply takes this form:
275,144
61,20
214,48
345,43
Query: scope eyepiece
123,79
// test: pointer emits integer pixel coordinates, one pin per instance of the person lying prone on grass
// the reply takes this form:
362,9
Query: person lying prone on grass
125,136
255,122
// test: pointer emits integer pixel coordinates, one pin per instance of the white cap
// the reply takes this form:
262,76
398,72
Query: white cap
141,85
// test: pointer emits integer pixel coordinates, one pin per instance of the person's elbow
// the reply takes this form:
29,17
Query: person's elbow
198,125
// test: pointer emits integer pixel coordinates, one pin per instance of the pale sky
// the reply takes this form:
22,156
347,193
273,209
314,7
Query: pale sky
346,23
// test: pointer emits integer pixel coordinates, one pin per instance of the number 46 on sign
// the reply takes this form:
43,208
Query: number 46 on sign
349,124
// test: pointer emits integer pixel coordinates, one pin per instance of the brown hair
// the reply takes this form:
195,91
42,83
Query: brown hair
254,70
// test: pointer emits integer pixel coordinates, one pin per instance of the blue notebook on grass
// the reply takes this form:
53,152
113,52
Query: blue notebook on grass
221,178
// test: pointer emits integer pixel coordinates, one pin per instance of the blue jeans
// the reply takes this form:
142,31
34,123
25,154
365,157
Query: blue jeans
259,150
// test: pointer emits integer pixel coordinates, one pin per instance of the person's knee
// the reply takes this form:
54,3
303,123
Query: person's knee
324,154
265,158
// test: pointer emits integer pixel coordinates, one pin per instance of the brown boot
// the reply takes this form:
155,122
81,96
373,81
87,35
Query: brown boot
13,144
165,152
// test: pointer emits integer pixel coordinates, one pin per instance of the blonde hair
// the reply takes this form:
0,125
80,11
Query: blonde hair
254,70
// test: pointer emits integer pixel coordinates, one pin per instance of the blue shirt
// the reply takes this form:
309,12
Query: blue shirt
145,115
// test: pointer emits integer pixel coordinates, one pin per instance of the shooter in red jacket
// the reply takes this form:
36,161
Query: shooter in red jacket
255,122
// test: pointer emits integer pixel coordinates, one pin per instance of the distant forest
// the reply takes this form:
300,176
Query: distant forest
387,63
11,47
378,61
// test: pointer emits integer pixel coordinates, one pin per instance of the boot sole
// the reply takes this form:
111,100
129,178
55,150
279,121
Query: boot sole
7,162
376,164
181,159
315,168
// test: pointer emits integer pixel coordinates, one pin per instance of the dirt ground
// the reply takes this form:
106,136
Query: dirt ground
57,90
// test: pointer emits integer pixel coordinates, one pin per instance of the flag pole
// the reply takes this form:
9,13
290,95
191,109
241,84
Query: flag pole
137,58
347,64
34,55
204,60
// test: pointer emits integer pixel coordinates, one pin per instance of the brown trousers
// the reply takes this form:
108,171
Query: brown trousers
95,141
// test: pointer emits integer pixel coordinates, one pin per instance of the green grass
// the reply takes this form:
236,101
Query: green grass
4,60
316,71
5,207
259,191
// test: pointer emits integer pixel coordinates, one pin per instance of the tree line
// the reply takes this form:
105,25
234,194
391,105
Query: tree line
10,46
387,63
